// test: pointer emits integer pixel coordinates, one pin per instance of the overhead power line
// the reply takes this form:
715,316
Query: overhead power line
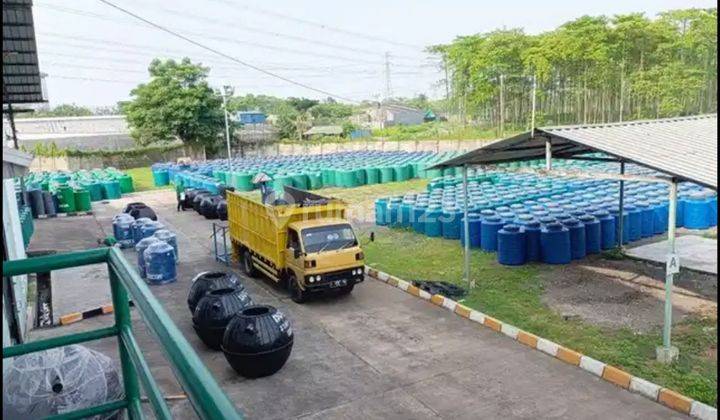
253,29
250,44
222,54
322,26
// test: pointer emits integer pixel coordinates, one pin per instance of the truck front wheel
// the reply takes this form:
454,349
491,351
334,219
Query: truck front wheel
248,266
296,293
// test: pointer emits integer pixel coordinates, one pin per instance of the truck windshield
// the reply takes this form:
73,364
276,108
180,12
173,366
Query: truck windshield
328,238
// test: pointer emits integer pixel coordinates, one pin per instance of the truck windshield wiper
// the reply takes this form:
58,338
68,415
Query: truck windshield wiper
347,244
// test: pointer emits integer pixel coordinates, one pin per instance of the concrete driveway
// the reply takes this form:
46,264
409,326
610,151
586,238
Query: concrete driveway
377,353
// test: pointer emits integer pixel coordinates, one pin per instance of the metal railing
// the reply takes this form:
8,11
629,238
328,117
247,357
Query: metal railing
206,396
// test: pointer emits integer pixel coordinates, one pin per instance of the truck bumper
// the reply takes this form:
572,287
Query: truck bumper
334,281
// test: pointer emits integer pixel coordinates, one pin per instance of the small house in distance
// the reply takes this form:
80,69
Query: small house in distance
323,130
387,115
250,117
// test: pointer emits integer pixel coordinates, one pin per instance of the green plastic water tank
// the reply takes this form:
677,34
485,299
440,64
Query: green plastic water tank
241,181
95,190
279,182
402,172
360,176
328,177
300,181
386,174
449,171
315,180
111,190
372,176
126,184
433,173
82,200
66,196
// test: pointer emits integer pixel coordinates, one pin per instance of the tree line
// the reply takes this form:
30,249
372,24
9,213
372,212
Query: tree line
589,70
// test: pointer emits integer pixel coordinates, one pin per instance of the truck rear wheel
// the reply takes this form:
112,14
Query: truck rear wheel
296,293
248,266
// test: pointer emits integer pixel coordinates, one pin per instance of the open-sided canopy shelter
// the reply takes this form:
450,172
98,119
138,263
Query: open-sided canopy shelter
679,149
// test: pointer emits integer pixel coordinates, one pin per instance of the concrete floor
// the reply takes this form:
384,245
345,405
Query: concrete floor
378,353
696,253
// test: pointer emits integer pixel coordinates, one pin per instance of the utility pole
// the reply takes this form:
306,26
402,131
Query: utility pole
622,89
11,119
388,91
502,105
227,90
447,83
532,115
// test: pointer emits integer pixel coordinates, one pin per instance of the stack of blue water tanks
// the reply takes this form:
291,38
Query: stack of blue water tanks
526,218
156,246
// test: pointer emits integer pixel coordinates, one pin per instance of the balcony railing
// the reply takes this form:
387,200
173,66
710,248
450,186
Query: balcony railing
204,393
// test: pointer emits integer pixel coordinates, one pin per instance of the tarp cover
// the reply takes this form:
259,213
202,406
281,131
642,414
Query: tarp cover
59,380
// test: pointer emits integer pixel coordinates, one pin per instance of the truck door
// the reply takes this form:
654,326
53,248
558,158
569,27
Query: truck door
293,249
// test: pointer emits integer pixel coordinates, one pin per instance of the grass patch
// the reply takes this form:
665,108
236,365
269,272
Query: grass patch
143,179
513,295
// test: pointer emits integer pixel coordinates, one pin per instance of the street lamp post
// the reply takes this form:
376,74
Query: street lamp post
227,90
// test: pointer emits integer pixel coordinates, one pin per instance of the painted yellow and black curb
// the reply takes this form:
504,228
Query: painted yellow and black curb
74,317
667,397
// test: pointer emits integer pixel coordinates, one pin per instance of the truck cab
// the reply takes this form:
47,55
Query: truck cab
303,240
323,254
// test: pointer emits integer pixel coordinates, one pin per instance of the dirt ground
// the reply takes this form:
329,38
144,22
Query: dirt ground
626,293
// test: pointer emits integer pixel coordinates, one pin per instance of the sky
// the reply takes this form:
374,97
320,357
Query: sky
94,54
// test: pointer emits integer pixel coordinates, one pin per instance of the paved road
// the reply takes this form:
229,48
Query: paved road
378,353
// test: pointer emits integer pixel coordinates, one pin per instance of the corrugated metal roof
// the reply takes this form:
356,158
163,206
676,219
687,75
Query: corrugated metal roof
684,147
21,75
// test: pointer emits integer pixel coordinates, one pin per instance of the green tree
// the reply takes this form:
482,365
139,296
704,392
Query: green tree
177,103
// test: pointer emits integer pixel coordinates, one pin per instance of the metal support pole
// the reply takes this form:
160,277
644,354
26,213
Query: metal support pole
123,321
466,230
619,229
548,155
670,353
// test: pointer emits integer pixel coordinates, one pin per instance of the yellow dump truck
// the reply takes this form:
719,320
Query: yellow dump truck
303,241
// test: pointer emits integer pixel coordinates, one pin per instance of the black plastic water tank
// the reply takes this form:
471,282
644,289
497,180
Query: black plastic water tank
222,210
215,310
208,206
198,199
208,281
258,341
138,210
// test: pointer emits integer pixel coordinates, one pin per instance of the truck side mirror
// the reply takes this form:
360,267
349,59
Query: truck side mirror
296,253
372,236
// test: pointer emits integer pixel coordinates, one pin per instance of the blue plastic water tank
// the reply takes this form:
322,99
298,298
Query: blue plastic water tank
698,212
394,212
124,234
532,240
511,245
117,218
490,225
660,216
593,234
170,239
555,244
679,212
381,216
474,227
432,225
140,248
647,229
160,263
507,217
149,228
406,213
136,228
451,223
607,229
635,222
577,238
417,215
615,212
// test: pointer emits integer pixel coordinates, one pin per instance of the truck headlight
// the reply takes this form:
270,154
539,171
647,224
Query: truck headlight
318,278
311,279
